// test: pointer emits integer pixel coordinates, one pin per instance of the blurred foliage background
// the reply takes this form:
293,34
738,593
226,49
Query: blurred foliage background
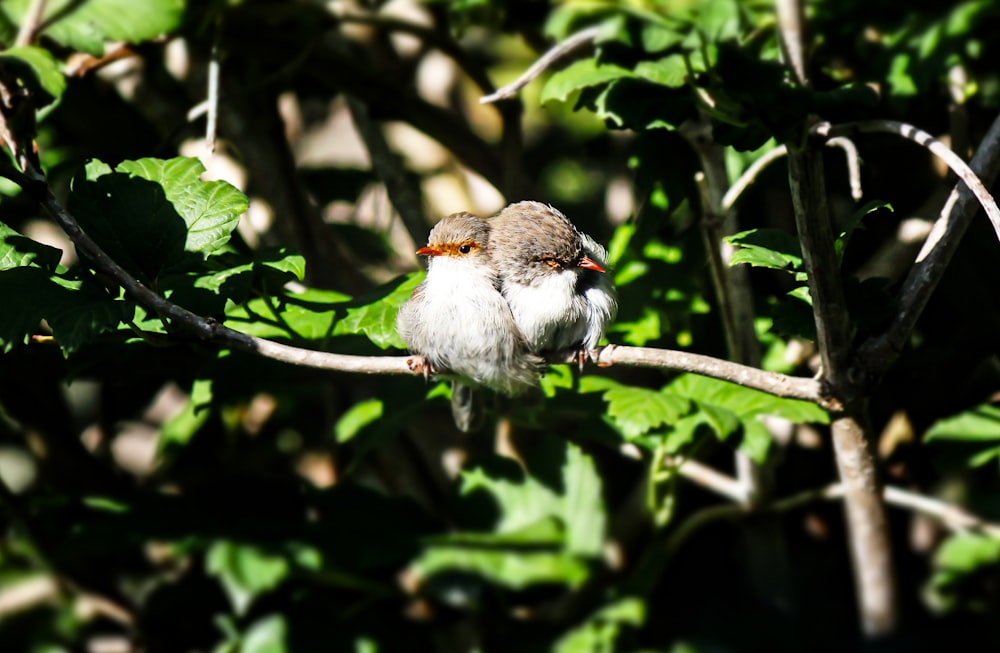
160,494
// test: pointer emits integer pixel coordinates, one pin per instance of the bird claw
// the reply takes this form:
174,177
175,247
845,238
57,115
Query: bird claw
595,355
420,365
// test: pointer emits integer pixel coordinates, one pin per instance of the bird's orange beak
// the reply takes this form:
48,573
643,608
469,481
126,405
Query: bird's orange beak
429,251
589,263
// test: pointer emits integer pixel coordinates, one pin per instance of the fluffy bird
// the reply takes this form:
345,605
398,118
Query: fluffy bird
458,320
553,277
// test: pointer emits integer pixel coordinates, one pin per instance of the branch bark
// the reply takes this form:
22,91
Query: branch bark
877,354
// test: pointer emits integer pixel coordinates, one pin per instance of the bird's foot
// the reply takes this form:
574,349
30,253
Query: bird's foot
421,365
595,355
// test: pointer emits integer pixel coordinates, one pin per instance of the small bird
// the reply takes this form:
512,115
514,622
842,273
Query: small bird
458,320
553,277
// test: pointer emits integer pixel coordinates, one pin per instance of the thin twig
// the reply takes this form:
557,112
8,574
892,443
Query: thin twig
750,176
853,164
877,354
780,385
32,24
936,147
954,517
214,71
554,54
709,478
791,20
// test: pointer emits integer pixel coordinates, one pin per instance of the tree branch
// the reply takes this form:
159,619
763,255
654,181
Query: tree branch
554,54
878,353
936,147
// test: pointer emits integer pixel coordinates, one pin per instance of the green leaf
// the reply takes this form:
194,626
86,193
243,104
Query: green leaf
601,631
77,311
668,71
376,318
745,402
583,509
723,402
981,424
308,315
854,223
246,571
635,411
154,214
967,552
266,635
88,24
357,417
522,499
582,74
768,248
84,310
178,431
18,251
210,209
46,79
514,570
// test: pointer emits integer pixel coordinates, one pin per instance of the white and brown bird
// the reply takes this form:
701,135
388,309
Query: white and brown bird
458,320
553,277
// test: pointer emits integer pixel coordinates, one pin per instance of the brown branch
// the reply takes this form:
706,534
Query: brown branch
878,353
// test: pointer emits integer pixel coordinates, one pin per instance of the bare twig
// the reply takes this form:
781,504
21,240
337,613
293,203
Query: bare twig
853,164
214,71
750,176
936,147
791,20
877,354
32,24
557,52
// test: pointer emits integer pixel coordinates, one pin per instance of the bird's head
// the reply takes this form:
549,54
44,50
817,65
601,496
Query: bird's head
460,236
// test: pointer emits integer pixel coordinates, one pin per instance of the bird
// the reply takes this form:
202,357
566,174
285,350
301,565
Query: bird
458,320
554,278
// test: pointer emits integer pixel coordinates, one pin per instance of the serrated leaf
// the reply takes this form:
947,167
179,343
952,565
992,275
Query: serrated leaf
582,74
210,209
768,248
153,214
377,319
284,261
245,571
635,411
84,311
88,24
745,402
77,311
18,251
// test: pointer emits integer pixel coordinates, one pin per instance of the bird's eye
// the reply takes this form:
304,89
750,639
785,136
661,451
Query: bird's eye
465,248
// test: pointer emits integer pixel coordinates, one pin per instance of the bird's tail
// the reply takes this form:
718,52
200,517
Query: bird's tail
467,407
